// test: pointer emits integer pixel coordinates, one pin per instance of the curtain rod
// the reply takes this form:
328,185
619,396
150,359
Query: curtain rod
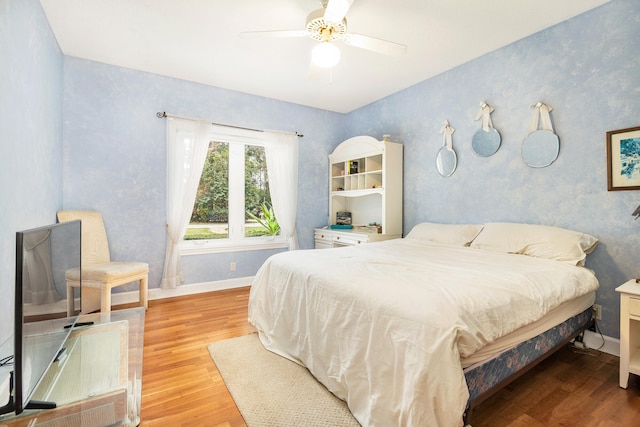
163,115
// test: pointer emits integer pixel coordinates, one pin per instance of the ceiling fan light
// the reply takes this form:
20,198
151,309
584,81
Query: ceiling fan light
325,55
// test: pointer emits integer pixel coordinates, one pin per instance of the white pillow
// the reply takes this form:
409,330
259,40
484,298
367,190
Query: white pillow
540,241
446,234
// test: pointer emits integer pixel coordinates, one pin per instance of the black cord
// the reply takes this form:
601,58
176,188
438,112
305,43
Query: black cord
5,361
595,323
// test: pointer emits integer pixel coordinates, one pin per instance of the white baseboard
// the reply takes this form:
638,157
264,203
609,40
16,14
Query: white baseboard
130,297
191,289
602,343
40,309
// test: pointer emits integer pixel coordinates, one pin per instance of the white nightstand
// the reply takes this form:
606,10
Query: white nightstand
629,330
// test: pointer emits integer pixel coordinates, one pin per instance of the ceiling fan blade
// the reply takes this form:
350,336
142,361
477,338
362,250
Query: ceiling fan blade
336,10
376,45
273,34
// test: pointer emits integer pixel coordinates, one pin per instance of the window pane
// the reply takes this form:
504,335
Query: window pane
256,194
210,217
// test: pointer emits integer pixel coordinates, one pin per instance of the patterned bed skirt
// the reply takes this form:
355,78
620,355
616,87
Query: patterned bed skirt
486,379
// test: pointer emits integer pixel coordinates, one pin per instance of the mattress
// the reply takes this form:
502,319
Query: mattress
553,318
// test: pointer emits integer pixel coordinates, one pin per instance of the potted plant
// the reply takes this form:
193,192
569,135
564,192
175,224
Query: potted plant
267,219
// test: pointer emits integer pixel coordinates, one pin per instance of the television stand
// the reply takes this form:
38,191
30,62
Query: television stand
40,404
98,381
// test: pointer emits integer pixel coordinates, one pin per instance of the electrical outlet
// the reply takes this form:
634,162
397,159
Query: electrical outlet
597,311
232,266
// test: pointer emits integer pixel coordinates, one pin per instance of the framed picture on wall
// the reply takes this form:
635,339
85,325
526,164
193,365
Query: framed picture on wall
623,159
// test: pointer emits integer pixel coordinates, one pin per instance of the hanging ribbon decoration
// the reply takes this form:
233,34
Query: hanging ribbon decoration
485,115
541,111
447,131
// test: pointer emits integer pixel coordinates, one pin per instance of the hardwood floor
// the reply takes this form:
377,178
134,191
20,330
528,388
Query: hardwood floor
570,388
182,387
180,383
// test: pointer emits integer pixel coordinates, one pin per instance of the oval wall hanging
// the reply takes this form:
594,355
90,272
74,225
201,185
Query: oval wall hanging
486,140
446,159
541,147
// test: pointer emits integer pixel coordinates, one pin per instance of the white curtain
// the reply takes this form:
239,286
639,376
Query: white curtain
281,151
188,141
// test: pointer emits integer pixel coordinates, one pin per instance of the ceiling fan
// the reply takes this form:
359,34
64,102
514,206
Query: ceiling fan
326,26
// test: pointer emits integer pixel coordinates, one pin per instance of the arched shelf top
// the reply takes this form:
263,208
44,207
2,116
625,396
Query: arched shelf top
358,146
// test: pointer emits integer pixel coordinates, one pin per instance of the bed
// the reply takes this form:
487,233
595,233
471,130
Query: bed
417,331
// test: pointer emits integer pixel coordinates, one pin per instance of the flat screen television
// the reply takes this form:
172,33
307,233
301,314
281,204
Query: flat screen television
43,255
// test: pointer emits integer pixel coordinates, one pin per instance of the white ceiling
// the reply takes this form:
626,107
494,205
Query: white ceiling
198,40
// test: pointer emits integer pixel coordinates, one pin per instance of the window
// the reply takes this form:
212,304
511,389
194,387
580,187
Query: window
189,144
233,188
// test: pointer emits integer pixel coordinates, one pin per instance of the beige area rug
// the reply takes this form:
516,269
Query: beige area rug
272,391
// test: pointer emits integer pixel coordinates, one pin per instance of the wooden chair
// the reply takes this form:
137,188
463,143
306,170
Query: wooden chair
99,273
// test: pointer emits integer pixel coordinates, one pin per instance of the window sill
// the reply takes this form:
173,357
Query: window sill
201,247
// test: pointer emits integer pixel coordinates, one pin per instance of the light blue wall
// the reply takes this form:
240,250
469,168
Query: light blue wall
115,158
588,70
30,134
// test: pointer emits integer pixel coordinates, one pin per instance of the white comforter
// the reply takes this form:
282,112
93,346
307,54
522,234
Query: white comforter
383,325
